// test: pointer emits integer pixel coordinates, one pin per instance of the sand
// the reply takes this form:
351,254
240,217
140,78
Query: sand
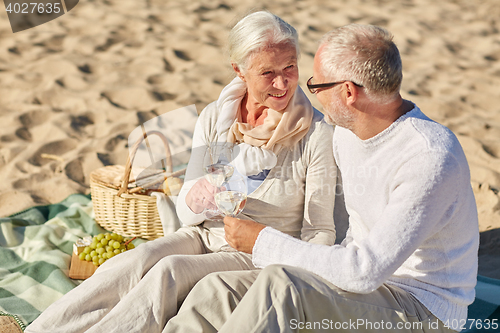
73,89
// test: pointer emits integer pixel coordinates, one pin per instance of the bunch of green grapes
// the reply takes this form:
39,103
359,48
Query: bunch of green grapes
104,247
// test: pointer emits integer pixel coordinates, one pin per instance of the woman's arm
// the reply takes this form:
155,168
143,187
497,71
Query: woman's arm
321,174
194,172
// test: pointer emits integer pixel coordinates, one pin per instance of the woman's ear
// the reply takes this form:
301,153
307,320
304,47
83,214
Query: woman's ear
238,72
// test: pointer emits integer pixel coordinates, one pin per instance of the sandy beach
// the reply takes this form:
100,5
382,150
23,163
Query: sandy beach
73,89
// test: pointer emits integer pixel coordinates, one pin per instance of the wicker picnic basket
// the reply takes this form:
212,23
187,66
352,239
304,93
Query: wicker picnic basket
123,207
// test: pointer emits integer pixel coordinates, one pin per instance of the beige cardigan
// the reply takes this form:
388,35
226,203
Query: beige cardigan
296,197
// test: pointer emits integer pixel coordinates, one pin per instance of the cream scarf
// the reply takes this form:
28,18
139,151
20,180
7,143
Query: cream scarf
258,146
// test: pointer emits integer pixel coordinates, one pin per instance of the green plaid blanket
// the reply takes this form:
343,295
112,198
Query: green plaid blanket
35,253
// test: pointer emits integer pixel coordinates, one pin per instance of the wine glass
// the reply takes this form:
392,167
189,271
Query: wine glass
216,164
217,169
231,197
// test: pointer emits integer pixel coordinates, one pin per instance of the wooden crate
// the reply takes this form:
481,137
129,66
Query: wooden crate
80,269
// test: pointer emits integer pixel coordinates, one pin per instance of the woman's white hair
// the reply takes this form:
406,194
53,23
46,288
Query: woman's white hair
257,31
366,55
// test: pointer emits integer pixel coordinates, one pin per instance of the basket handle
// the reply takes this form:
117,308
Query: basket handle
131,157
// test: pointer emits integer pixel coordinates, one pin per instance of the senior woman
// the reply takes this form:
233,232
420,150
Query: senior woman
279,136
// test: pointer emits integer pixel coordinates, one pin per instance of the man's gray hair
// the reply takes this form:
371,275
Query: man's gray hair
257,31
366,55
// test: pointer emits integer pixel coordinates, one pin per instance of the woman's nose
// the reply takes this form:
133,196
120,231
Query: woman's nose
280,82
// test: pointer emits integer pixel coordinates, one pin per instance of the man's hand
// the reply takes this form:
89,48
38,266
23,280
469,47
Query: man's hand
241,234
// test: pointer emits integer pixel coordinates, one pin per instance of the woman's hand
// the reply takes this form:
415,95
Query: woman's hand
241,234
201,196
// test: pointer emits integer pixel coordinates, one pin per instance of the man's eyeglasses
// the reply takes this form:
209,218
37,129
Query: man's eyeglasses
313,88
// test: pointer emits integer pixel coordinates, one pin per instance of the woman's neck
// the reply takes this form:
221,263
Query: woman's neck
252,113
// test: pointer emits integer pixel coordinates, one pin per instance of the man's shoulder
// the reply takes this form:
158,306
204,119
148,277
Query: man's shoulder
433,145
435,136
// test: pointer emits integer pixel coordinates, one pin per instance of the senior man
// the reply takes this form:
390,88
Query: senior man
409,260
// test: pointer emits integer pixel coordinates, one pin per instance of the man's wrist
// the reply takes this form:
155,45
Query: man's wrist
257,246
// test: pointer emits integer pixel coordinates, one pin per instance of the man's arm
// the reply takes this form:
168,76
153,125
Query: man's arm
363,265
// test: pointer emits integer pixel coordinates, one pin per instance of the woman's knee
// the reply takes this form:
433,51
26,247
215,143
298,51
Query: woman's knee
138,260
175,266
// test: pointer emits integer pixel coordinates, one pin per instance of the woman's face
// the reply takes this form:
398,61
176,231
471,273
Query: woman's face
272,77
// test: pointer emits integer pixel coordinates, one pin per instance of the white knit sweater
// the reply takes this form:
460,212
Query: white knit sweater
412,219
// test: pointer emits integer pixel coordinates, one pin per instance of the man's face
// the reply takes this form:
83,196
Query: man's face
335,110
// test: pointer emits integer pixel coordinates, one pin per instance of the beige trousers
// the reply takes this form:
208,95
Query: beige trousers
289,299
139,290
